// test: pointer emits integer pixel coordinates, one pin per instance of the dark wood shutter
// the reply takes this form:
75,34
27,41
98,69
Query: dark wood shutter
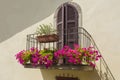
66,78
59,28
72,25
67,26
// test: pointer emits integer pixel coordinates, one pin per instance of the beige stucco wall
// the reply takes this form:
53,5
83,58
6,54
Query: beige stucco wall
17,15
82,75
100,18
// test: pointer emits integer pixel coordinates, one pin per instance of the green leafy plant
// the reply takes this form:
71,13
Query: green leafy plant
46,33
47,52
45,29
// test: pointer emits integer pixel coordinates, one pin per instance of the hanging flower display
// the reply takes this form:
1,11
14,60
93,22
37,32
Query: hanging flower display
48,57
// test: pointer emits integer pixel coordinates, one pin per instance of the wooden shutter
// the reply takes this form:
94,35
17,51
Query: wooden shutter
71,25
59,27
67,26
66,78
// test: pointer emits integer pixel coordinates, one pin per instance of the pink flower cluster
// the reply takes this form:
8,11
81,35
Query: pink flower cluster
47,57
78,55
34,57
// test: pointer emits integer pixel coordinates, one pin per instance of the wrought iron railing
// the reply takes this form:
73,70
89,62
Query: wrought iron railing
101,66
85,40
33,42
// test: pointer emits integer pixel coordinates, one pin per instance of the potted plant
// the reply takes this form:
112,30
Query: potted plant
78,55
66,55
24,56
46,33
35,57
61,55
46,57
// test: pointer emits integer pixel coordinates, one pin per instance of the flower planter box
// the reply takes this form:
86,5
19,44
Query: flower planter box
65,58
62,67
47,38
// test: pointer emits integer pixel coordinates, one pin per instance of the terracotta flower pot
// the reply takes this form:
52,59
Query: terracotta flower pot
47,38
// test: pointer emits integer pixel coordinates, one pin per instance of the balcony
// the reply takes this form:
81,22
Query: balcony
84,40
40,44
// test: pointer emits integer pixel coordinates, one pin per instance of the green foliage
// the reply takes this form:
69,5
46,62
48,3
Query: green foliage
26,56
45,29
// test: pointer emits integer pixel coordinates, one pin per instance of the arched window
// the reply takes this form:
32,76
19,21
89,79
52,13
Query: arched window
67,22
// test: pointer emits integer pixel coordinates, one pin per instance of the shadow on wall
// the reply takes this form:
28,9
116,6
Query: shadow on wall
20,14
81,75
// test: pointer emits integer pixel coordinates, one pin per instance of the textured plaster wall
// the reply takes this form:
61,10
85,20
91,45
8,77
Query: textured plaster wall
82,75
100,18
17,15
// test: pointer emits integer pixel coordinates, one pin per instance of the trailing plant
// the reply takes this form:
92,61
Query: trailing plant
35,57
78,55
47,56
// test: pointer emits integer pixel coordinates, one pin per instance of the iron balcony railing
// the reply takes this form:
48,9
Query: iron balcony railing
84,40
101,66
